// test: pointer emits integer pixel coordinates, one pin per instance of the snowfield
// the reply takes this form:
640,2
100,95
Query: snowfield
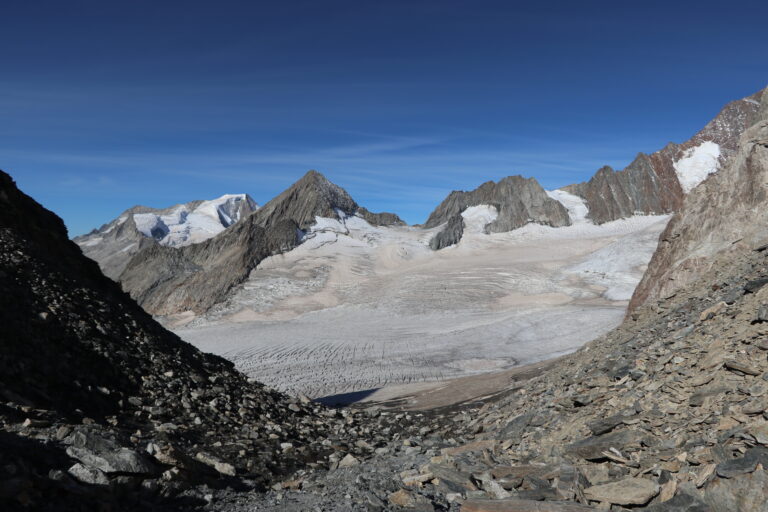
357,307
697,163
183,226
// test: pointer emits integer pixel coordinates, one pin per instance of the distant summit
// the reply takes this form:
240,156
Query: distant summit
517,200
167,280
315,196
113,244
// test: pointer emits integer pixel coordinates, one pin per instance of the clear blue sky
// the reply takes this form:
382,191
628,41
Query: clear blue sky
107,104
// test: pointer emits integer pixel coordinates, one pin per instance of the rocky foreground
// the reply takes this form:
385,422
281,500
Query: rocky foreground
103,409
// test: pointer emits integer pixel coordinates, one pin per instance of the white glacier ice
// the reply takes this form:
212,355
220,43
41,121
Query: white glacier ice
577,208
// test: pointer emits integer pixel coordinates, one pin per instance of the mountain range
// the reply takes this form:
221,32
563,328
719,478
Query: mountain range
104,409
190,257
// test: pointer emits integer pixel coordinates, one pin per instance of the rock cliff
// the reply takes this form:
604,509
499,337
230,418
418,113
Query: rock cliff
657,183
518,201
726,213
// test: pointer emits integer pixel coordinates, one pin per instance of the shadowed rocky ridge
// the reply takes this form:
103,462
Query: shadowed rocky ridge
102,408
518,201
650,184
114,244
726,213
450,234
168,280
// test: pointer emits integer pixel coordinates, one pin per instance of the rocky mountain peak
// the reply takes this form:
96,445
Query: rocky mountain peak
169,280
311,196
724,215
730,122
518,201
656,183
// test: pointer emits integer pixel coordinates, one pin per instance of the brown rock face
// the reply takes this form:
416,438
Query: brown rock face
725,213
649,185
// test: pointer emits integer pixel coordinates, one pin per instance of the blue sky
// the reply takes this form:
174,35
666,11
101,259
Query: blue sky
109,104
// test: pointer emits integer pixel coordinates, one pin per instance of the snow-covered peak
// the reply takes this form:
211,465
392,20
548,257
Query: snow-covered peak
187,224
697,163
576,206
226,208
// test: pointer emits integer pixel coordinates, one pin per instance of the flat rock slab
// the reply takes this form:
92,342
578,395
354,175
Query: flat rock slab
593,447
405,499
605,425
746,464
521,471
741,366
475,446
682,502
630,491
516,505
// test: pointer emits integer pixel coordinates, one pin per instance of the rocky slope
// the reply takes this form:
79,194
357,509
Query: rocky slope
657,183
518,201
103,409
725,213
113,244
168,280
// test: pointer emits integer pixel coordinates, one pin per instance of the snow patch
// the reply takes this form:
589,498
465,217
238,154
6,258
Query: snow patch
697,163
477,217
577,208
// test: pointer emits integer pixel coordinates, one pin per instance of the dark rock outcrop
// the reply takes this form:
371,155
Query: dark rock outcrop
380,219
517,199
641,188
450,235
650,185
